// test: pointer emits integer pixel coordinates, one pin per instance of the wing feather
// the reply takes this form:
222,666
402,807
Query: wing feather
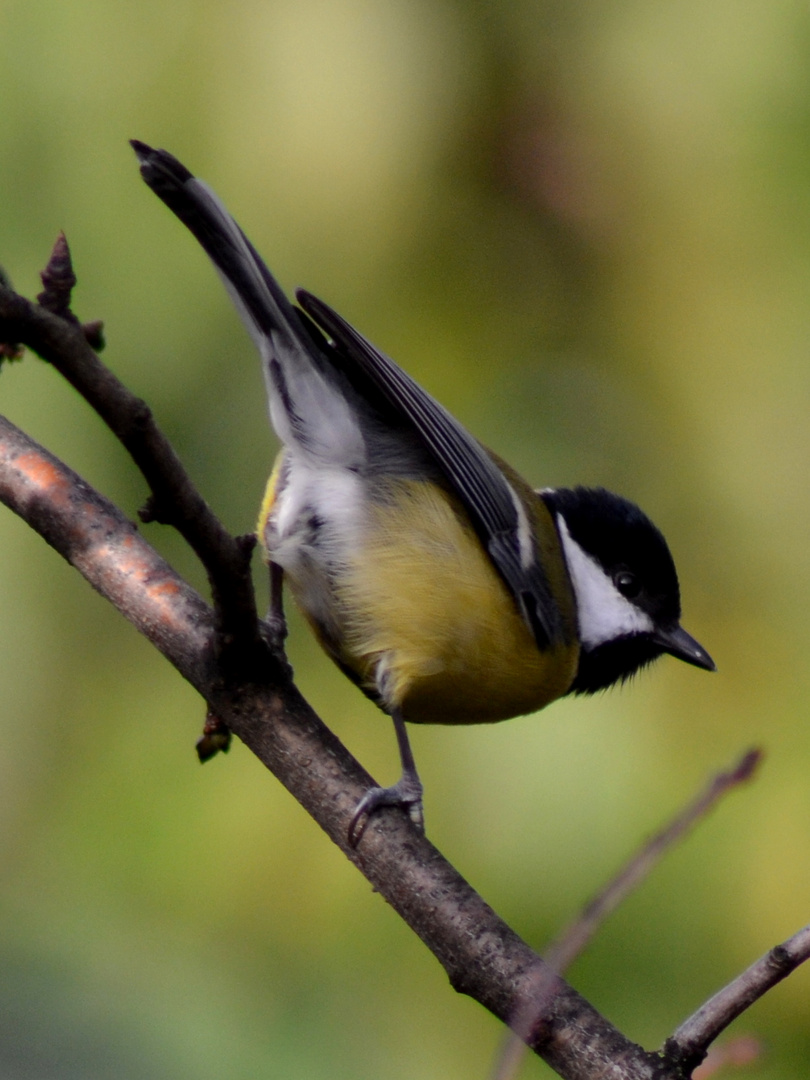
490,500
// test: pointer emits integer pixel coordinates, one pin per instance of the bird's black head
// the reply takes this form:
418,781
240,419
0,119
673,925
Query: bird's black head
625,584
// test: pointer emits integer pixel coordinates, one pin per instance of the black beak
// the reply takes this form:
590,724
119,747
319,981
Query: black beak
682,645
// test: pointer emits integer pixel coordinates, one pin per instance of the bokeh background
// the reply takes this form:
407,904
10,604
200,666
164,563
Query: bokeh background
585,227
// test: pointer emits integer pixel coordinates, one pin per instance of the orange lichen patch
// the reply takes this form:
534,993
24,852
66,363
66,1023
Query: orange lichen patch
39,471
162,596
130,558
165,588
131,563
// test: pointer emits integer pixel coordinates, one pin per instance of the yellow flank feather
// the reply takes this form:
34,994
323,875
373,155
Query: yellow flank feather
423,620
431,623
268,502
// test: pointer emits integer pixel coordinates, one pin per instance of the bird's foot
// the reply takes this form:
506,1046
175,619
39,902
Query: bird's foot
406,793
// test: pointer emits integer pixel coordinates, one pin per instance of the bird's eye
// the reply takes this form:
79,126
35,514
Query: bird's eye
627,583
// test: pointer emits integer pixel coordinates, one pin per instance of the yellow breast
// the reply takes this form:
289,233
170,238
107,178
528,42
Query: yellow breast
425,622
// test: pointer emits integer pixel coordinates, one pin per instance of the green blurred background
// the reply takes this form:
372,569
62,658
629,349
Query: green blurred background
586,228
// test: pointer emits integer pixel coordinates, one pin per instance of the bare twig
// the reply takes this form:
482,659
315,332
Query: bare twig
689,1043
9,350
571,942
61,341
58,281
576,936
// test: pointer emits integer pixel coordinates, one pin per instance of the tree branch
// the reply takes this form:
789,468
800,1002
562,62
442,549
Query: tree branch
483,957
689,1043
575,937
62,341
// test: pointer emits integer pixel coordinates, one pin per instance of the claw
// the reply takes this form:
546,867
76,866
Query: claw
407,794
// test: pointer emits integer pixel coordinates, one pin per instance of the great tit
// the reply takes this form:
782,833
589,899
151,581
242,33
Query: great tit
434,576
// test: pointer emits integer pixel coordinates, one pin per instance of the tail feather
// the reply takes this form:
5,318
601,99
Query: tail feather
257,294
309,406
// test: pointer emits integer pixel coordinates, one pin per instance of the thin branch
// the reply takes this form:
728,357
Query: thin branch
576,936
62,341
689,1043
568,946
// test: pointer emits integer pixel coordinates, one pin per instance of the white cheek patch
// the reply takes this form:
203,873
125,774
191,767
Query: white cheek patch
603,613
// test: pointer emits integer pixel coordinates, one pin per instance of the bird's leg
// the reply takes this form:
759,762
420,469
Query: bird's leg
407,792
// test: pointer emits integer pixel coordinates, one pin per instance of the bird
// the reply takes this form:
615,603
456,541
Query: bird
436,578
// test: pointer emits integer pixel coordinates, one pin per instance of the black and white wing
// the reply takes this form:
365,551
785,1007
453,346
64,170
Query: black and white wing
495,509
